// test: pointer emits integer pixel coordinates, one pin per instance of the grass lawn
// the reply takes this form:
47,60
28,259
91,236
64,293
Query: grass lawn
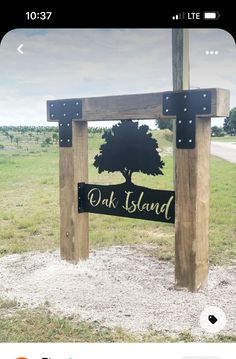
39,325
29,220
225,139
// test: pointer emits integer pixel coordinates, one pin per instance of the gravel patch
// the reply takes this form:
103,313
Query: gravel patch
117,286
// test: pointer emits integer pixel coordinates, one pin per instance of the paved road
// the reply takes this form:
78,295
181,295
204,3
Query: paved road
224,150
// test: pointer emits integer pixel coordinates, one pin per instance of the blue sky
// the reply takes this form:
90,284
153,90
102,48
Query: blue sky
65,63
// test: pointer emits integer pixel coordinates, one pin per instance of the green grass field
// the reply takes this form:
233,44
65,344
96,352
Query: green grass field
39,325
29,220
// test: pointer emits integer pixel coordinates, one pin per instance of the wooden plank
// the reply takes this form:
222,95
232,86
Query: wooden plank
192,210
180,70
192,176
143,106
80,159
139,106
66,176
180,59
73,167
200,248
220,102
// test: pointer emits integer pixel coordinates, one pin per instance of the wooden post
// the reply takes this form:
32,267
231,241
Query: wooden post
80,160
73,167
192,173
180,59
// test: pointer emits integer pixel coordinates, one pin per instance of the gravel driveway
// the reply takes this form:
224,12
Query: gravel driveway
117,286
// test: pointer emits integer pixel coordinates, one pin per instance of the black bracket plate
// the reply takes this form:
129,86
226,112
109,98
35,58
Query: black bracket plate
81,199
185,105
64,111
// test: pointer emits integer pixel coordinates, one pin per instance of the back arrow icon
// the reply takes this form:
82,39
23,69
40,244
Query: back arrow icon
19,49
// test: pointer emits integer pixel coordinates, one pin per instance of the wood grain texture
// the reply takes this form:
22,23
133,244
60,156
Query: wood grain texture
145,106
180,70
138,106
66,185
221,102
192,210
180,59
73,168
141,106
192,176
80,159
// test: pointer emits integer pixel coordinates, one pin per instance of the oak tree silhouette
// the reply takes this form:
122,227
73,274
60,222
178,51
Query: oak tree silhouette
128,149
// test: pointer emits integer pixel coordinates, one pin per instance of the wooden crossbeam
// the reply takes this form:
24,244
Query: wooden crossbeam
138,106
191,174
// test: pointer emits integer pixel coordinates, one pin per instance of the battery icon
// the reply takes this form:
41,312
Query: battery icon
213,15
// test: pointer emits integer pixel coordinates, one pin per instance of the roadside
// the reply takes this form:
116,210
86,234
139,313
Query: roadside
224,150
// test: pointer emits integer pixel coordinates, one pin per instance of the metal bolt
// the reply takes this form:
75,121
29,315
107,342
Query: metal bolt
185,109
64,114
204,95
68,124
52,115
61,125
77,114
61,140
77,103
167,97
167,110
180,121
190,140
185,96
64,104
204,108
68,140
190,121
179,140
51,104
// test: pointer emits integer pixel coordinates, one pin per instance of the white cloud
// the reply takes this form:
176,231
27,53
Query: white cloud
91,62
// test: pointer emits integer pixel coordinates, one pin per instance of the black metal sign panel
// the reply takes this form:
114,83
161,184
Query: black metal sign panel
127,201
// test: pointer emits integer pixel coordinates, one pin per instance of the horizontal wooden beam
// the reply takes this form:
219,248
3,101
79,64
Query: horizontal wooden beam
220,103
140,106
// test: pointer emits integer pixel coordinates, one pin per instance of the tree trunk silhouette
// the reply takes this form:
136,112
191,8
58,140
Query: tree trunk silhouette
127,174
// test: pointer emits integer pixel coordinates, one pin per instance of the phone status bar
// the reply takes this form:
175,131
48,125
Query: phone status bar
208,15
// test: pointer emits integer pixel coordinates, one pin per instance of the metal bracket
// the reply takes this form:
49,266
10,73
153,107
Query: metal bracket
64,111
186,105
81,197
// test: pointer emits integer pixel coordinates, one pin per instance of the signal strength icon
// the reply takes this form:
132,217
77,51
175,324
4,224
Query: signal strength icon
178,17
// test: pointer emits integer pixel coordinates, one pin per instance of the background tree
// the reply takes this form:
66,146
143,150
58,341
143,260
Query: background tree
55,137
230,123
17,139
128,149
217,131
47,142
162,124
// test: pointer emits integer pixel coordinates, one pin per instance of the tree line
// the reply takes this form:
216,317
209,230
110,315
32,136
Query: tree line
229,128
229,125
42,129
45,135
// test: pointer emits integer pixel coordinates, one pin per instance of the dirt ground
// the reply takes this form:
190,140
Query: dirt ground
120,286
